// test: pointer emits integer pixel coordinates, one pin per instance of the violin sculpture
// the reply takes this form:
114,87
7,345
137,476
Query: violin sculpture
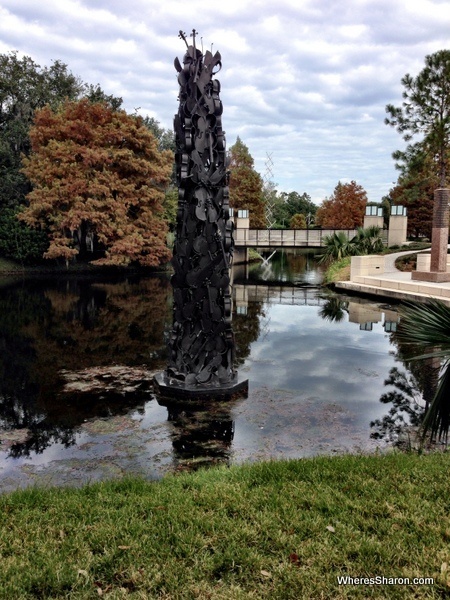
201,347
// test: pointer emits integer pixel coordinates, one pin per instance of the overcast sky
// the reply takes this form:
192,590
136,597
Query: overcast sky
304,81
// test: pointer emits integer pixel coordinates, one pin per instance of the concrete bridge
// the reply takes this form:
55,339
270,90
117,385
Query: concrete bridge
245,238
284,238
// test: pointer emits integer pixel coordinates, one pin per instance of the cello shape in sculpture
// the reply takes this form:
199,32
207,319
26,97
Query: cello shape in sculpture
201,348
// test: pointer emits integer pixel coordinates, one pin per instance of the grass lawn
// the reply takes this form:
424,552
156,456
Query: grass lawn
277,530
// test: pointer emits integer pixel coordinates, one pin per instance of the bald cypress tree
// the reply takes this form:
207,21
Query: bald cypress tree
97,173
246,185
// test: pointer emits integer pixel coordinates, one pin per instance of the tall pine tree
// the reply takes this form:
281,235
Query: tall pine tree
425,112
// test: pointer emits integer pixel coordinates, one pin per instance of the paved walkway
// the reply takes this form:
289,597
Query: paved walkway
397,284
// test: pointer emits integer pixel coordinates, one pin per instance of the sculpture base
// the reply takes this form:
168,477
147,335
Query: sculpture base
433,276
173,389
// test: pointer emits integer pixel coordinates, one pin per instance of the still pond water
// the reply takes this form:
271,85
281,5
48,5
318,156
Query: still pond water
76,404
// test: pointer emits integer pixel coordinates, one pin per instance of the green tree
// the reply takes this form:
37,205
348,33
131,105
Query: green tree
170,205
280,212
298,221
415,189
99,179
345,208
94,93
19,242
299,204
24,88
425,111
286,205
165,137
166,141
246,185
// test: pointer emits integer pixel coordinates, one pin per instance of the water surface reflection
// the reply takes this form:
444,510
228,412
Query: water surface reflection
76,402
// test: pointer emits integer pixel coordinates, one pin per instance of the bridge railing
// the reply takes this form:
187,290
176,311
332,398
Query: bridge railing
285,237
243,294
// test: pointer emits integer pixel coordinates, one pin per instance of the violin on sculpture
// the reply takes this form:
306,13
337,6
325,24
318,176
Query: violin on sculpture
201,345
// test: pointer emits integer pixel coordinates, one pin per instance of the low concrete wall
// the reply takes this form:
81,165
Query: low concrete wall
366,265
424,262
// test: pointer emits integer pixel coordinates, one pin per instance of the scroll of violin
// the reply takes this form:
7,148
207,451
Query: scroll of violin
201,345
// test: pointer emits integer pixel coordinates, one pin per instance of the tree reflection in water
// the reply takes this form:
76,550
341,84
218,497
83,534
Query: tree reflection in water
407,409
53,328
423,395
50,327
335,309
425,330
419,397
201,435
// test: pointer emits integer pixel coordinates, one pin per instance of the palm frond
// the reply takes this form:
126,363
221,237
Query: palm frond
437,417
426,325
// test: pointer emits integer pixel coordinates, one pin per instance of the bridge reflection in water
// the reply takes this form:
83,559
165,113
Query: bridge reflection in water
276,294
359,310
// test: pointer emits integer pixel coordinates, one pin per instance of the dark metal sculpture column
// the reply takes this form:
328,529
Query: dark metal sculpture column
202,344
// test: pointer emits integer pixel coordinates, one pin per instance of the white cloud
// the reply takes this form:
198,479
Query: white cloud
304,80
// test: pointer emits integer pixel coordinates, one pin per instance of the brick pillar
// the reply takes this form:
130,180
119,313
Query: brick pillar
439,236
439,241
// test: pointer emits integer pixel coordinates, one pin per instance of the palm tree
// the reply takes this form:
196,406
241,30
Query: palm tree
427,327
368,240
336,247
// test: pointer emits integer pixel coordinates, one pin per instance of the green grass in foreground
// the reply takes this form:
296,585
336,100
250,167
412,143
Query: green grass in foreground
280,530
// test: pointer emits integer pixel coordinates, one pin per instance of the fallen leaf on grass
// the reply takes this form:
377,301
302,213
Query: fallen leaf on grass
293,557
331,528
124,547
82,572
266,573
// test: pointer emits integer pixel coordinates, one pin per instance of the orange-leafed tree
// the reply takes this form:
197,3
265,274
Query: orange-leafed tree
98,183
345,208
246,184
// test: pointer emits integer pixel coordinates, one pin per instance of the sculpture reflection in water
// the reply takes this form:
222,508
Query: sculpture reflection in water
201,436
201,349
